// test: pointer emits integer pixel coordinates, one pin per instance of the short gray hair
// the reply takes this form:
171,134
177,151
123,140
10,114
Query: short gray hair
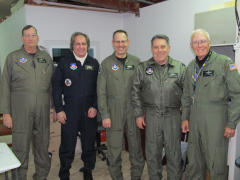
200,30
160,36
74,35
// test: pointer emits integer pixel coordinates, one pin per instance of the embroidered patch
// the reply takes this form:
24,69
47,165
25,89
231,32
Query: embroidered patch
68,82
23,60
129,67
149,70
73,66
41,60
88,67
172,75
114,67
208,73
233,67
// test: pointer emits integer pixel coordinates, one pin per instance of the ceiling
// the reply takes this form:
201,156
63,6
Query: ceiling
5,7
132,6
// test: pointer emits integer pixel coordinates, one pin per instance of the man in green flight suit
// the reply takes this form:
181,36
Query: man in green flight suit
156,97
113,89
211,106
25,102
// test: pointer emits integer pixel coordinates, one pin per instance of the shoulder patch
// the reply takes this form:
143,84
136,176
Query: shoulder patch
233,67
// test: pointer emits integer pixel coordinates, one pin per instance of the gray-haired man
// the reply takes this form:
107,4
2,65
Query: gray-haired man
156,96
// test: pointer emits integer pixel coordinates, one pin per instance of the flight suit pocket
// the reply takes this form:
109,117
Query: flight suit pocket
114,138
21,72
151,126
209,79
45,71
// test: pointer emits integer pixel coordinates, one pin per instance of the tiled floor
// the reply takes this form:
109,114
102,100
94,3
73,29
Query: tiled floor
100,172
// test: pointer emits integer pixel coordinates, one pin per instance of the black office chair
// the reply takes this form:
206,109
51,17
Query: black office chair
100,147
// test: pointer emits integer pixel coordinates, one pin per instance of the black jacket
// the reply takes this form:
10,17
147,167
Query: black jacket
75,82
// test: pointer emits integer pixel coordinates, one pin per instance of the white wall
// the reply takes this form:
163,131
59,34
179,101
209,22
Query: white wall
173,18
10,34
57,24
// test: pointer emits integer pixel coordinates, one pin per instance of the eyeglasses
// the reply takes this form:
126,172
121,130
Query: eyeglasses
122,42
30,35
201,42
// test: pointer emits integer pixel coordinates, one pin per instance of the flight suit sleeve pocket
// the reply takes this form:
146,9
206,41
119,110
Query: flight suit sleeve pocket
20,141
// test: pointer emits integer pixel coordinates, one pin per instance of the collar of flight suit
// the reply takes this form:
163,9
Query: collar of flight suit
115,58
169,62
22,47
210,60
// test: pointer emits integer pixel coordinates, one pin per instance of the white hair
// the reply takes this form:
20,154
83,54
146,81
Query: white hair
199,31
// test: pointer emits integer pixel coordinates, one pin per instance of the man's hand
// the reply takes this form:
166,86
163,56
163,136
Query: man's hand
61,117
229,132
106,123
54,116
185,126
92,112
141,122
7,120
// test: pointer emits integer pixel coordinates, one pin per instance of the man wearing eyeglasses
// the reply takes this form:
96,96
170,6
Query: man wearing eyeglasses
25,102
114,88
211,106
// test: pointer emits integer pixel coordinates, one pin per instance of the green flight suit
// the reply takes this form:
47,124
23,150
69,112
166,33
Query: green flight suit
25,94
156,93
209,112
114,88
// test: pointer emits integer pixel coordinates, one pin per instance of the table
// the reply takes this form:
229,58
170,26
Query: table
8,160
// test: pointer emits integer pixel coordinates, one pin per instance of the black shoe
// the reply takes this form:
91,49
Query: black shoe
82,169
87,174
135,178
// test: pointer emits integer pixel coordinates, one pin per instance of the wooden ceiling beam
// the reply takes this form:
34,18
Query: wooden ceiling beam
121,5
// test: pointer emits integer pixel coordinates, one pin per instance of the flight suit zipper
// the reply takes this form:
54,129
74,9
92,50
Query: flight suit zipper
35,76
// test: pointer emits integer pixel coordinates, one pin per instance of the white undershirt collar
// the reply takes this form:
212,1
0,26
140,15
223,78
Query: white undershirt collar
82,60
